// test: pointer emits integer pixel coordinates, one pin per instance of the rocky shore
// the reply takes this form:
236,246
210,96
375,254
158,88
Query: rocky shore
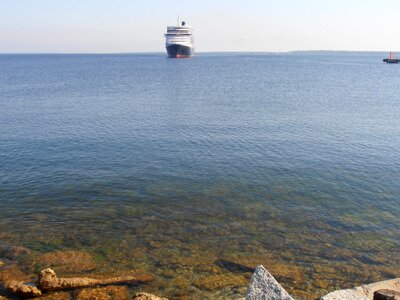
263,286
50,287
15,284
46,284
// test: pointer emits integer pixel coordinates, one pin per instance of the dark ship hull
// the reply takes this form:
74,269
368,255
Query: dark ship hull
392,60
179,51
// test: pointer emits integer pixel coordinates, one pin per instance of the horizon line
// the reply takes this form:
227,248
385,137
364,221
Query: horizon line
200,52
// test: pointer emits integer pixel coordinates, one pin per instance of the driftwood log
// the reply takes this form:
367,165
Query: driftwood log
48,281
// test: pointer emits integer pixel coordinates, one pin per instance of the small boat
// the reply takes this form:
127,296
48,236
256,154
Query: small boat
391,60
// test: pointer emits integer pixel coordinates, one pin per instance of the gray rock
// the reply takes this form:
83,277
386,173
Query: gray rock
365,292
263,286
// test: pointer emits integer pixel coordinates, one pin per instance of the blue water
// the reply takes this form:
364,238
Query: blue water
263,157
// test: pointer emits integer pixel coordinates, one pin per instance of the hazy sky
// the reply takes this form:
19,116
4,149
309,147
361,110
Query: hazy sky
220,25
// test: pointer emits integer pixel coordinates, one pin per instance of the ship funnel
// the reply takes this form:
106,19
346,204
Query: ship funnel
183,23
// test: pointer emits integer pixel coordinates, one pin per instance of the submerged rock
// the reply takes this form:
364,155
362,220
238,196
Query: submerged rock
220,281
146,296
234,267
48,281
263,286
247,264
365,292
103,293
12,272
13,252
67,261
22,289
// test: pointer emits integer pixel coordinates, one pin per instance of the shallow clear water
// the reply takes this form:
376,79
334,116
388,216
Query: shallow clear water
192,169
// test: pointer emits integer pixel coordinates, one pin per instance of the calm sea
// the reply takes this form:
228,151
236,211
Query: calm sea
197,170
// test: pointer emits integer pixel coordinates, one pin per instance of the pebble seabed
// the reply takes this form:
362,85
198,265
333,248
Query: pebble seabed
202,252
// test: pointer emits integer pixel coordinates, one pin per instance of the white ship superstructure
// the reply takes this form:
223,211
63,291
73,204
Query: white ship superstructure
179,41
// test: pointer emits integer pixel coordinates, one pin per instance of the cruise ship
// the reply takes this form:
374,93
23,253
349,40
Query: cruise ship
179,41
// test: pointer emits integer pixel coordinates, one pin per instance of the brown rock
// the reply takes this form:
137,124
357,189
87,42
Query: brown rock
146,296
57,296
67,261
22,289
220,281
103,293
12,272
387,295
180,282
48,281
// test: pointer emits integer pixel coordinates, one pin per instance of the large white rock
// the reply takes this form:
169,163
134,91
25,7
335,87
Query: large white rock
350,294
263,286
365,292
